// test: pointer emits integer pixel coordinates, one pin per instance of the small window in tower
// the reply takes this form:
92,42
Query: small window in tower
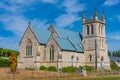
99,29
90,57
92,29
102,30
87,30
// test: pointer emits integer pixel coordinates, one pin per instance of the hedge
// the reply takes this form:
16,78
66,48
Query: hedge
4,63
52,68
69,69
114,66
88,68
80,67
43,68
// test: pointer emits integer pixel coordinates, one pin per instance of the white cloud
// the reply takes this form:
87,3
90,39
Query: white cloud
17,6
115,37
113,45
118,17
66,20
16,24
23,2
40,23
50,1
73,6
111,2
113,40
9,43
12,9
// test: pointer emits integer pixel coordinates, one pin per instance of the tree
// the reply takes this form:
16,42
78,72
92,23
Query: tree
13,62
109,53
0,53
113,53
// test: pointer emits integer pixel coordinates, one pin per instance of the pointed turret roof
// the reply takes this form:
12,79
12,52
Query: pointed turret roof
83,15
91,16
103,16
95,13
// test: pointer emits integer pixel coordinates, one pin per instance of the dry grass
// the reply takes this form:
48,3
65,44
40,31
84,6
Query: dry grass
42,75
24,74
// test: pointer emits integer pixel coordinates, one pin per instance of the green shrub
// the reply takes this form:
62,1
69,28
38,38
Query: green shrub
52,68
43,68
114,66
88,68
80,67
4,63
69,69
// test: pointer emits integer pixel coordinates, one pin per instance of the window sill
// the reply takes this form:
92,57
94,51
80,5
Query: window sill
28,57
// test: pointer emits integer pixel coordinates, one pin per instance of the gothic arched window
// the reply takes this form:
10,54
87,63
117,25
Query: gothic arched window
92,29
29,48
87,30
52,53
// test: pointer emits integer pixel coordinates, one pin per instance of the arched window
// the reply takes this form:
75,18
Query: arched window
52,53
90,57
101,63
92,29
87,30
72,60
102,58
29,48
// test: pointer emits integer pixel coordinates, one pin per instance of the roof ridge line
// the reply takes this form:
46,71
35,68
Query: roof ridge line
68,38
80,46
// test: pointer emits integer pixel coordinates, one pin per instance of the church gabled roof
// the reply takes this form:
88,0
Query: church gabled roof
42,35
67,40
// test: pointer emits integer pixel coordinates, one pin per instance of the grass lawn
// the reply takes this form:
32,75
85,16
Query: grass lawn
40,75
74,78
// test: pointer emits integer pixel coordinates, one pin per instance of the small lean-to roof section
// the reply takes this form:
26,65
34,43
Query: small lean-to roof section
42,35
79,49
74,36
65,44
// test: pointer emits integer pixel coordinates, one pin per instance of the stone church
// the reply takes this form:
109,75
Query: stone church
60,47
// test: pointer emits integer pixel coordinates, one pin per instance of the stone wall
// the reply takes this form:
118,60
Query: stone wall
28,61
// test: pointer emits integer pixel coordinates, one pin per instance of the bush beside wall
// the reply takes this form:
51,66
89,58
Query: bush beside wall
52,68
88,68
69,69
114,66
43,67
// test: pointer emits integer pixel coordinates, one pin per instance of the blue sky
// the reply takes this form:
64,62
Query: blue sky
15,14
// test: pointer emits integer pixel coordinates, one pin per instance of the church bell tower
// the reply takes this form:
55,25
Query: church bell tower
94,40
